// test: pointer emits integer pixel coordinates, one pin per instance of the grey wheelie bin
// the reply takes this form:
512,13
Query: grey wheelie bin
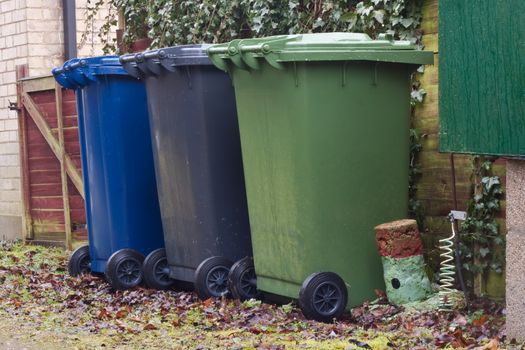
199,170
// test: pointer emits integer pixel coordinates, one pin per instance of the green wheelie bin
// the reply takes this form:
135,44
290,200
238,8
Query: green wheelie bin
324,126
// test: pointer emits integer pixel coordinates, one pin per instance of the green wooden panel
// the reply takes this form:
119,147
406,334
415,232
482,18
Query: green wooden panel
482,76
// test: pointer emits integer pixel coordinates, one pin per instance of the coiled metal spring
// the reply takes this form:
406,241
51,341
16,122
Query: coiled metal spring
446,271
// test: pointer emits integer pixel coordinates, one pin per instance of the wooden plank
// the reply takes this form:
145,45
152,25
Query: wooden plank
57,215
49,231
78,216
63,172
73,149
431,42
429,11
52,141
38,83
48,110
46,190
44,163
481,73
21,72
55,202
43,97
44,176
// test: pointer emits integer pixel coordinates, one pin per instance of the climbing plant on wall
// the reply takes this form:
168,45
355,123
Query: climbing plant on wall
169,22
481,244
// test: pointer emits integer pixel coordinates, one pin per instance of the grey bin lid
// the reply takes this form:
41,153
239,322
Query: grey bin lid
165,60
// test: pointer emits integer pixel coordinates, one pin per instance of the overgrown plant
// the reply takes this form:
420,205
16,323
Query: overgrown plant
170,22
415,209
481,244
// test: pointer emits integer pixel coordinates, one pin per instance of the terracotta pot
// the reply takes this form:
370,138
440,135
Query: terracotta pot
140,45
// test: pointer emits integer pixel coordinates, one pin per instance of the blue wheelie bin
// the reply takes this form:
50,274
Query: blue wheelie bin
123,215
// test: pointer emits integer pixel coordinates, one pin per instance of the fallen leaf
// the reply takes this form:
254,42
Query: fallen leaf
150,327
480,321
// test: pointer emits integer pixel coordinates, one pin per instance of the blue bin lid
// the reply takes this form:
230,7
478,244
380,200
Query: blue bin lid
165,60
79,72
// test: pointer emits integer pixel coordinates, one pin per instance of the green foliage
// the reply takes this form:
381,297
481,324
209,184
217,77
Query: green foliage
415,210
170,22
481,244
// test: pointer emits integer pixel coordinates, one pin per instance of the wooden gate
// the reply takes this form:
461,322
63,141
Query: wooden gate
52,188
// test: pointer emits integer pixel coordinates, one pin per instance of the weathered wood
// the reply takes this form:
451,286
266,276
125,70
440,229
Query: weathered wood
52,141
38,83
63,172
21,72
56,215
51,229
430,13
49,112
45,189
45,176
55,202
41,150
481,77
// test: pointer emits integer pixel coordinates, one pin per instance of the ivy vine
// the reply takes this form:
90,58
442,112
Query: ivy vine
481,244
171,22
415,209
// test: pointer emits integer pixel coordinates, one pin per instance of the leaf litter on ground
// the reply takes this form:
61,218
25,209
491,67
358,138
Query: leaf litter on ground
47,309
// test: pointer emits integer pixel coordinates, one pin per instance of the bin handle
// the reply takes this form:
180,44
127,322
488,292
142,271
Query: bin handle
127,59
160,54
217,50
75,65
139,57
258,48
231,50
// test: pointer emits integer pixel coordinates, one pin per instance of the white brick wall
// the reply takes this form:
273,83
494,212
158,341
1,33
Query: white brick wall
31,32
92,46
13,47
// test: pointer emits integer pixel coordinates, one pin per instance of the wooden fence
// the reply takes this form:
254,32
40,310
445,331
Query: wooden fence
52,188
435,184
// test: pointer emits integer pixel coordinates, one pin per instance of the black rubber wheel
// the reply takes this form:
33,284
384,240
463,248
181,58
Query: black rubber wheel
124,269
242,280
156,271
323,296
211,277
79,261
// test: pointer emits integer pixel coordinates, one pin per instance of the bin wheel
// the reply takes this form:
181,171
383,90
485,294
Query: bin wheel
79,262
323,296
242,280
211,277
124,269
156,271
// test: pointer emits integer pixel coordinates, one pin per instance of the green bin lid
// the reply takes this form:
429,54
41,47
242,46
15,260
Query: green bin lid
248,53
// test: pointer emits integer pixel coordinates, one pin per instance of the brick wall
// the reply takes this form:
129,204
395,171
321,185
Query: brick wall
31,32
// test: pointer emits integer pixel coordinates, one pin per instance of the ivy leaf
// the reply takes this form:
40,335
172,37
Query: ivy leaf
407,22
483,252
379,16
498,240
